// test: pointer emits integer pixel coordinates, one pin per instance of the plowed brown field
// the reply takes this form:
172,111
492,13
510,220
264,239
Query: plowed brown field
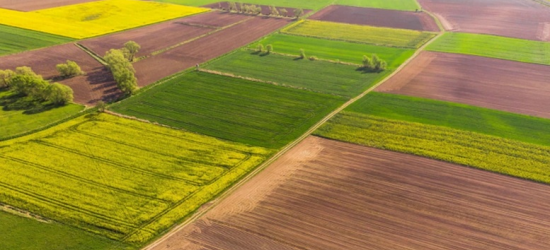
30,5
201,50
96,85
377,17
486,82
159,36
524,19
332,195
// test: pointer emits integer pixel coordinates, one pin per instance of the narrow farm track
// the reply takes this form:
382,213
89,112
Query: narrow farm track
287,148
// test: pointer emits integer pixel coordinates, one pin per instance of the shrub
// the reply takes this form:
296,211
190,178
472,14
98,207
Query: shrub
302,53
269,48
69,69
313,58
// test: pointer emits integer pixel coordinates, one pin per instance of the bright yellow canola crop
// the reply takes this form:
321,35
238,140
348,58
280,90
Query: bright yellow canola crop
95,18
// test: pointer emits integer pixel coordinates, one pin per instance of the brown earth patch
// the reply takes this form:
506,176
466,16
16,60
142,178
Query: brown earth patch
377,17
96,85
201,50
265,8
486,82
511,18
159,36
30,5
345,196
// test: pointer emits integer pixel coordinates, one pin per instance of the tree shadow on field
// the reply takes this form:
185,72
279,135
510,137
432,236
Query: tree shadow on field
15,102
365,70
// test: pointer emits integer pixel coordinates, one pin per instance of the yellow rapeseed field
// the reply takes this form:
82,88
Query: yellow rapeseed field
95,18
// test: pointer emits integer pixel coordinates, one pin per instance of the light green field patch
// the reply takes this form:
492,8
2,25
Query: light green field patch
410,5
13,40
506,48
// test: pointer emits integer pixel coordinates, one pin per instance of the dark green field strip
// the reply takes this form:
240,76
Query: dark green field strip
453,115
499,47
230,108
316,76
334,50
13,40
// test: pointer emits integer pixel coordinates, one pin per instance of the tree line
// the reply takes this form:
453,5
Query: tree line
119,62
252,9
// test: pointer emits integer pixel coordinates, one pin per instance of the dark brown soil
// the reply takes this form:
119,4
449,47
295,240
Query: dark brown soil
265,8
524,19
96,85
325,194
159,36
201,50
30,5
377,17
486,82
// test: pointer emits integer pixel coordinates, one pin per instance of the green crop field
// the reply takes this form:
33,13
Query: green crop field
123,179
493,46
317,76
400,38
410,5
30,234
454,115
13,40
229,108
524,160
334,50
19,120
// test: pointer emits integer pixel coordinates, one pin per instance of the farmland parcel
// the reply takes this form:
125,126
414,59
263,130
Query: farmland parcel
95,18
17,40
120,178
325,194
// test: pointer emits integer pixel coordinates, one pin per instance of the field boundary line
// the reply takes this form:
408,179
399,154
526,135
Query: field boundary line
91,53
211,204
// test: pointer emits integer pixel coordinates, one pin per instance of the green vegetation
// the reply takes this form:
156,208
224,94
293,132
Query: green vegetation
524,160
30,234
124,179
410,5
16,40
230,108
69,69
454,115
315,4
334,50
123,71
493,46
400,38
317,76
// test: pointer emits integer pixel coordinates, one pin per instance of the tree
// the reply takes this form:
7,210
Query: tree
28,83
69,69
131,48
260,48
378,64
232,6
298,13
101,106
240,7
284,12
367,63
274,11
269,48
122,70
302,53
58,94
5,78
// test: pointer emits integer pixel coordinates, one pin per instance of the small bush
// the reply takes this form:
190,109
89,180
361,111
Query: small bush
313,58
302,53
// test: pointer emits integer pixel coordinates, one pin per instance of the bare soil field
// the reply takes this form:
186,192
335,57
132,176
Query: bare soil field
377,17
485,82
265,8
326,194
30,5
159,36
201,50
524,19
96,85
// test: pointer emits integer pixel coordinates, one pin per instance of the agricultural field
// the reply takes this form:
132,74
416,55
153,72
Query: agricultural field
501,155
377,17
485,82
317,76
333,50
95,18
30,5
400,38
454,115
301,202
493,46
266,9
71,174
248,112
25,233
17,40
525,19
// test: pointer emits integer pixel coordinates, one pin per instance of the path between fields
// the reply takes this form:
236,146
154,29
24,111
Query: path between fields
208,206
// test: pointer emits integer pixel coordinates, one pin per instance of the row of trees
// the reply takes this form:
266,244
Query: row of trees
119,62
374,63
268,49
23,81
238,7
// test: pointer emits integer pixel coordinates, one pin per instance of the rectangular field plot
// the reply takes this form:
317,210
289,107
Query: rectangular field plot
409,5
360,33
16,40
124,179
505,156
330,195
493,46
317,76
30,5
95,18
334,50
455,115
233,109
485,82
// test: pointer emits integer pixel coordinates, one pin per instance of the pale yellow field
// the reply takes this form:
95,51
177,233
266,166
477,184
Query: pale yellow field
95,18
